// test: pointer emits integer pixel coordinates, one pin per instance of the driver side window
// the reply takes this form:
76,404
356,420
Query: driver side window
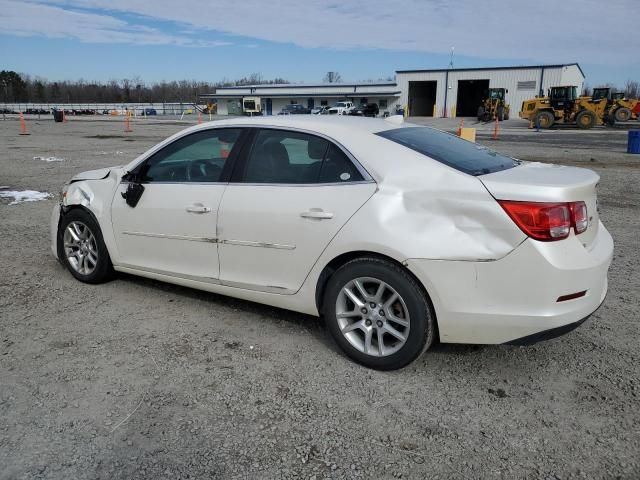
199,157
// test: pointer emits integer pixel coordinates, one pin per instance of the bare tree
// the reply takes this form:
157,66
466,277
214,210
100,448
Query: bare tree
632,89
332,77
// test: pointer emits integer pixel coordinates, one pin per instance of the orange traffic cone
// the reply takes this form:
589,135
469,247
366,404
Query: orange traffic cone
64,117
496,129
460,127
199,117
23,126
127,124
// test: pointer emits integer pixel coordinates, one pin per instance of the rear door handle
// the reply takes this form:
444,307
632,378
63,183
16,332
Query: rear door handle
198,208
317,213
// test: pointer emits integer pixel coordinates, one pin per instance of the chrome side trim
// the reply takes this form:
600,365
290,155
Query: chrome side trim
304,185
249,243
209,280
173,237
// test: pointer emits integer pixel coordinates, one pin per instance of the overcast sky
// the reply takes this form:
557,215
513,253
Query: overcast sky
302,39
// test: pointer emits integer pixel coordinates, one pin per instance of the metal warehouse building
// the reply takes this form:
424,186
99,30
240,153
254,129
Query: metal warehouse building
275,97
441,93
459,91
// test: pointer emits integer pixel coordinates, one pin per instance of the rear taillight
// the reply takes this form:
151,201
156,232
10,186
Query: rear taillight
547,221
579,216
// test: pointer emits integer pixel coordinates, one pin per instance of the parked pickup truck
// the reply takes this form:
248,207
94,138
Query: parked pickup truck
341,108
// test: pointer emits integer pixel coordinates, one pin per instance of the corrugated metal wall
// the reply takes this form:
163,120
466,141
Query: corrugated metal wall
510,79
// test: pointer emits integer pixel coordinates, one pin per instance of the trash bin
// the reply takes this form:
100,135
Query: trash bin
58,116
633,144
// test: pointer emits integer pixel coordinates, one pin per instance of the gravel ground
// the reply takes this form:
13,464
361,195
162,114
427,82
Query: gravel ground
139,379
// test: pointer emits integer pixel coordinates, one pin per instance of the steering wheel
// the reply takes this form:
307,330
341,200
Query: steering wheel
203,169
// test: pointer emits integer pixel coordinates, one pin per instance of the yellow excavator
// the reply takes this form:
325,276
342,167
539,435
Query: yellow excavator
493,106
562,105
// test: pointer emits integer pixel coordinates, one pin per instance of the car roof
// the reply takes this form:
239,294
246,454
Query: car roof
332,126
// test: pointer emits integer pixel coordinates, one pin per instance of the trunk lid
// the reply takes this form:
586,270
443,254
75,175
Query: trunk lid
541,182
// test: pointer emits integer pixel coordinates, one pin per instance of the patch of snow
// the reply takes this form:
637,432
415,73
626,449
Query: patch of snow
49,159
110,153
23,196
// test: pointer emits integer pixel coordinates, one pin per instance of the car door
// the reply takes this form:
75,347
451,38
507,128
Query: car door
294,191
172,229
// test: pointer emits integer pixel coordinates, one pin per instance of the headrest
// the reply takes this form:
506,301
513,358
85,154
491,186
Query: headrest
316,148
227,135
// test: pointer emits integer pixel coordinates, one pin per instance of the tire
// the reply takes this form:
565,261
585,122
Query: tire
585,119
480,113
622,114
410,315
544,119
80,242
500,113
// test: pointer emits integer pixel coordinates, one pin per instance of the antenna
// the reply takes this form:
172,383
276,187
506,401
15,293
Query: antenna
451,59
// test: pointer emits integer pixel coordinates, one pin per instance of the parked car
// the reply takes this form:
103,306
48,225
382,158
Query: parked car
366,110
294,109
36,111
398,234
341,108
148,111
320,110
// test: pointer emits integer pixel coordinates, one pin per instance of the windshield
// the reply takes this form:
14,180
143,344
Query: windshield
468,157
341,104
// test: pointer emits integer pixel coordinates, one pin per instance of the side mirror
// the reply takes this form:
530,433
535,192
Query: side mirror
133,193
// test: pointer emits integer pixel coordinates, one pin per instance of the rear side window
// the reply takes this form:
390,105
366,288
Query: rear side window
285,157
468,157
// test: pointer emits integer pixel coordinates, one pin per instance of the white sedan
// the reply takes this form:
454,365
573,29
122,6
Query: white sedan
399,235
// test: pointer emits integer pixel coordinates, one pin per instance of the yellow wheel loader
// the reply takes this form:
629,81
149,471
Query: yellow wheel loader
562,105
619,108
494,106
624,109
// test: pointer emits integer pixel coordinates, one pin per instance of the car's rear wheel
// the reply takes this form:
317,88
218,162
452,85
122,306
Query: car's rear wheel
378,313
83,250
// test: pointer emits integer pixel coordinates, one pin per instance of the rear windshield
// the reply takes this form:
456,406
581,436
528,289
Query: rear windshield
468,157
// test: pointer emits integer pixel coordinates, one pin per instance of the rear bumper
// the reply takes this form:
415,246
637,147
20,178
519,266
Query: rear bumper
516,298
548,334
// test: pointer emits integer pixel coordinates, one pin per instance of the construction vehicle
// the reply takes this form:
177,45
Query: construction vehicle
619,108
562,105
493,106
624,105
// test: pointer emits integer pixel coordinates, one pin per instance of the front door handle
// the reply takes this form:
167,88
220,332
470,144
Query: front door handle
198,208
317,214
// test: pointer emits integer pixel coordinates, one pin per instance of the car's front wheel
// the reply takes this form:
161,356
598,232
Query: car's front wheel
83,250
378,313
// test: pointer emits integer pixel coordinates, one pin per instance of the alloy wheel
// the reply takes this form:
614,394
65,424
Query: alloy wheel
80,248
372,316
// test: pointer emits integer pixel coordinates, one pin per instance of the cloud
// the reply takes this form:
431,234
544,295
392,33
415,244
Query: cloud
28,19
543,30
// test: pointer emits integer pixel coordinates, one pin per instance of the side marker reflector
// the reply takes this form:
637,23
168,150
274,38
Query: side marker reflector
571,296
